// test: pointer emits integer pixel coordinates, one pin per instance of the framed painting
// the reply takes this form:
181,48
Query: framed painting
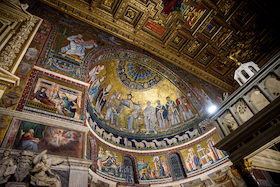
25,135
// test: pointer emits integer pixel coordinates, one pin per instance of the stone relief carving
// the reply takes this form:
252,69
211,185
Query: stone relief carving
258,99
25,165
43,176
7,167
273,86
243,111
229,122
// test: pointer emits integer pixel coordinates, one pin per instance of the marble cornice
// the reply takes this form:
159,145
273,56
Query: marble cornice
44,120
135,36
69,162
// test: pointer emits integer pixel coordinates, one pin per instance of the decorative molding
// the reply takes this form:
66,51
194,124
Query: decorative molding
62,76
43,120
15,46
149,151
138,38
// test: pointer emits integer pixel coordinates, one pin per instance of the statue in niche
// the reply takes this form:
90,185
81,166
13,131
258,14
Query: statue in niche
7,167
24,165
43,176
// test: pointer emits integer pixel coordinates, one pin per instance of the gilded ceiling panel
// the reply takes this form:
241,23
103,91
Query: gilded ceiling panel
197,35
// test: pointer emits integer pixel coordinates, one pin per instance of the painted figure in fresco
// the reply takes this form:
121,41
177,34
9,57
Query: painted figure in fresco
137,115
184,107
212,152
28,141
70,107
60,137
77,46
142,167
59,103
162,115
41,95
119,108
114,108
203,156
109,114
31,53
149,118
94,88
192,161
101,99
108,162
171,5
128,109
173,113
159,168
94,72
203,97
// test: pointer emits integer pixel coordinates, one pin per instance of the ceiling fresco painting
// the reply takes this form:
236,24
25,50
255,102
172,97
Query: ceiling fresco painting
203,37
131,92
125,86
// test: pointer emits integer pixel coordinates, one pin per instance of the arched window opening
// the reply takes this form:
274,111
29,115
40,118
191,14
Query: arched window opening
253,69
128,170
245,74
176,166
240,80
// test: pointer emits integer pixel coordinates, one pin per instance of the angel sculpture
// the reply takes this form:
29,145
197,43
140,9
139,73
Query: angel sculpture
43,176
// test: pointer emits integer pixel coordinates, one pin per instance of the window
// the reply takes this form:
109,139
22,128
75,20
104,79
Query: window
253,69
128,170
176,166
245,74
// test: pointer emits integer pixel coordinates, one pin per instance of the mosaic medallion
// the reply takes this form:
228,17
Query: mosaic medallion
136,76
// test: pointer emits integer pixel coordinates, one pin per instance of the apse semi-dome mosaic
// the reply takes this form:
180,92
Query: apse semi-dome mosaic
133,97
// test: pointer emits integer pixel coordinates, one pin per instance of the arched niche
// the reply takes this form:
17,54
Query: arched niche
272,84
258,99
129,170
176,166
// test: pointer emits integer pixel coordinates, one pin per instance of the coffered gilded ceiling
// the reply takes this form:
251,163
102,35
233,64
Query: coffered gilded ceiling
203,37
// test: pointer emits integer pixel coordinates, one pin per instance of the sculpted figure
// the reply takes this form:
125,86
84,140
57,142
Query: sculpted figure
43,176
24,165
7,167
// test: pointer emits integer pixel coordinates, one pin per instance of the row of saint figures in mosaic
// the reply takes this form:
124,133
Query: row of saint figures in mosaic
135,112
196,158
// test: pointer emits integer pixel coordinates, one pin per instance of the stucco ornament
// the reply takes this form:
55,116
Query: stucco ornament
43,176
7,167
